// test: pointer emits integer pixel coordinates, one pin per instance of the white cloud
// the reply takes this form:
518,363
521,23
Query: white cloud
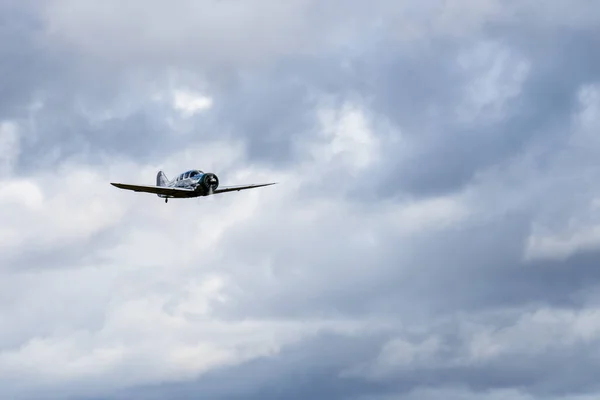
474,343
535,333
73,210
497,76
190,103
346,137
574,226
9,146
586,120
544,244
428,215
458,392
205,31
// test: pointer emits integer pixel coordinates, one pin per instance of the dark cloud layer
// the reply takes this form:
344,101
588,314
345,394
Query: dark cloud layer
435,233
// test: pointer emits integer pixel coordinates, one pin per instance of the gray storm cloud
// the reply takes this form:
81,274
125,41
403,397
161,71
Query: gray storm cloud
434,235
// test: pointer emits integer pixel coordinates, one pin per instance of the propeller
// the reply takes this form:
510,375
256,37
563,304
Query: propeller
211,182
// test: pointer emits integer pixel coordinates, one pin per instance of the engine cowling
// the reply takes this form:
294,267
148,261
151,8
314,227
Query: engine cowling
208,183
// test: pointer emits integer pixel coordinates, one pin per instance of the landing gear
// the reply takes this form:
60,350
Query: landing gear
166,200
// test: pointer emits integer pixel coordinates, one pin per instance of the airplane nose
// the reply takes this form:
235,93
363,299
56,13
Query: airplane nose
210,180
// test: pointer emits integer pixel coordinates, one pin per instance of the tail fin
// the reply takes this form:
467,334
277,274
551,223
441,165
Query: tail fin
161,179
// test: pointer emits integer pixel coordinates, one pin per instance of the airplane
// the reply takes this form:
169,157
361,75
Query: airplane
192,183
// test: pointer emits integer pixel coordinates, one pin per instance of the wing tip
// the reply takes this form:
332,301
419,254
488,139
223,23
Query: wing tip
265,184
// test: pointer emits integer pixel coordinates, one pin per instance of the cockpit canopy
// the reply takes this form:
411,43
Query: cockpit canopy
190,174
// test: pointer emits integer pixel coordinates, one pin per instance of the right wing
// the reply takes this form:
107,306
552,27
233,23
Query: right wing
167,191
240,187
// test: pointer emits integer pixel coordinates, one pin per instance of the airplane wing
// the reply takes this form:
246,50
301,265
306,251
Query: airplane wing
223,189
168,191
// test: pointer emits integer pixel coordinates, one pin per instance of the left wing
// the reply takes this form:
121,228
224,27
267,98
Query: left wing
165,190
240,187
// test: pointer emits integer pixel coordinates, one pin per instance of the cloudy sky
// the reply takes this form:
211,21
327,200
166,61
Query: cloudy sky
435,233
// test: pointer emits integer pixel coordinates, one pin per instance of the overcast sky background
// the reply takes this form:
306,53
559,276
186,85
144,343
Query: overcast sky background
435,233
